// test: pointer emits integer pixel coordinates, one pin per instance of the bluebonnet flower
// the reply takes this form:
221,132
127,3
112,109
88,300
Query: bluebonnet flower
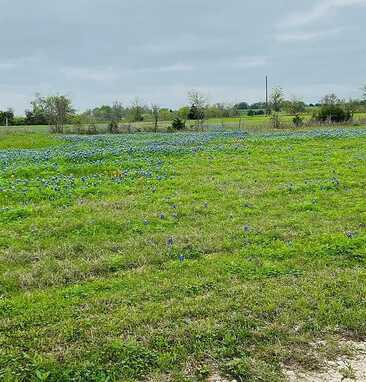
170,241
350,234
246,228
181,258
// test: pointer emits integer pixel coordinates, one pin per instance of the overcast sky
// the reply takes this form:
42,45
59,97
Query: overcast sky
98,51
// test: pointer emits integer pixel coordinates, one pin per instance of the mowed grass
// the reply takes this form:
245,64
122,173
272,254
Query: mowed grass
34,137
173,257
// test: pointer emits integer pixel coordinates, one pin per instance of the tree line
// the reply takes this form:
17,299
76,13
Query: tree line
57,110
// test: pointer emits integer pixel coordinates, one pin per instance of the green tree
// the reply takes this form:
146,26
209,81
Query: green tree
332,109
352,106
166,114
183,113
106,113
7,117
242,106
193,113
294,106
178,124
57,109
37,115
258,106
297,120
198,105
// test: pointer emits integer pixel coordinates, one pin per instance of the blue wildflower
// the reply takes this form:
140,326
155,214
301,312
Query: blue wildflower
246,228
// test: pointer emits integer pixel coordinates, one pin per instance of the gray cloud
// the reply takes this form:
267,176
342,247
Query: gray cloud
318,11
98,51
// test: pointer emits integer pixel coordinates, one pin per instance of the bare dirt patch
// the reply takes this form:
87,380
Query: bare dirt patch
345,368
217,378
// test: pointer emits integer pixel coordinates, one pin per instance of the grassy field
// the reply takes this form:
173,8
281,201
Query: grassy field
172,257
256,124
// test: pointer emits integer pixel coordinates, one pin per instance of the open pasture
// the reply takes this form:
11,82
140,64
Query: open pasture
175,257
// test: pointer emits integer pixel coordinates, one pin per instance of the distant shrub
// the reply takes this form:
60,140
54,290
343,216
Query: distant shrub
252,113
136,111
294,106
332,110
112,127
6,117
19,121
276,121
78,124
178,124
332,113
92,129
297,120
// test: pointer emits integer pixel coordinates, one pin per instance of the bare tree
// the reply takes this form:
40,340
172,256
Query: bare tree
364,93
199,102
136,111
331,99
276,120
277,99
57,109
155,112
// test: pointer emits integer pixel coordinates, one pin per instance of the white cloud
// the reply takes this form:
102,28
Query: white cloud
168,68
249,62
109,74
89,74
306,36
19,62
317,12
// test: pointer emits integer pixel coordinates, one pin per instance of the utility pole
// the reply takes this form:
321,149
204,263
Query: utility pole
267,109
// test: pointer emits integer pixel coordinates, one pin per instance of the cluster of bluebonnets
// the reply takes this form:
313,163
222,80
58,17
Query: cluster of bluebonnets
83,165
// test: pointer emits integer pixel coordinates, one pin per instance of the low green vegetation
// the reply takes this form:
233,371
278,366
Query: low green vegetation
173,257
27,140
57,112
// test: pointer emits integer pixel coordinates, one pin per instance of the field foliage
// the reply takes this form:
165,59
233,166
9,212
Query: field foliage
173,257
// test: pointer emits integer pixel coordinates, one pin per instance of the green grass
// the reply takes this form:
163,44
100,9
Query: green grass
27,141
169,257
258,123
